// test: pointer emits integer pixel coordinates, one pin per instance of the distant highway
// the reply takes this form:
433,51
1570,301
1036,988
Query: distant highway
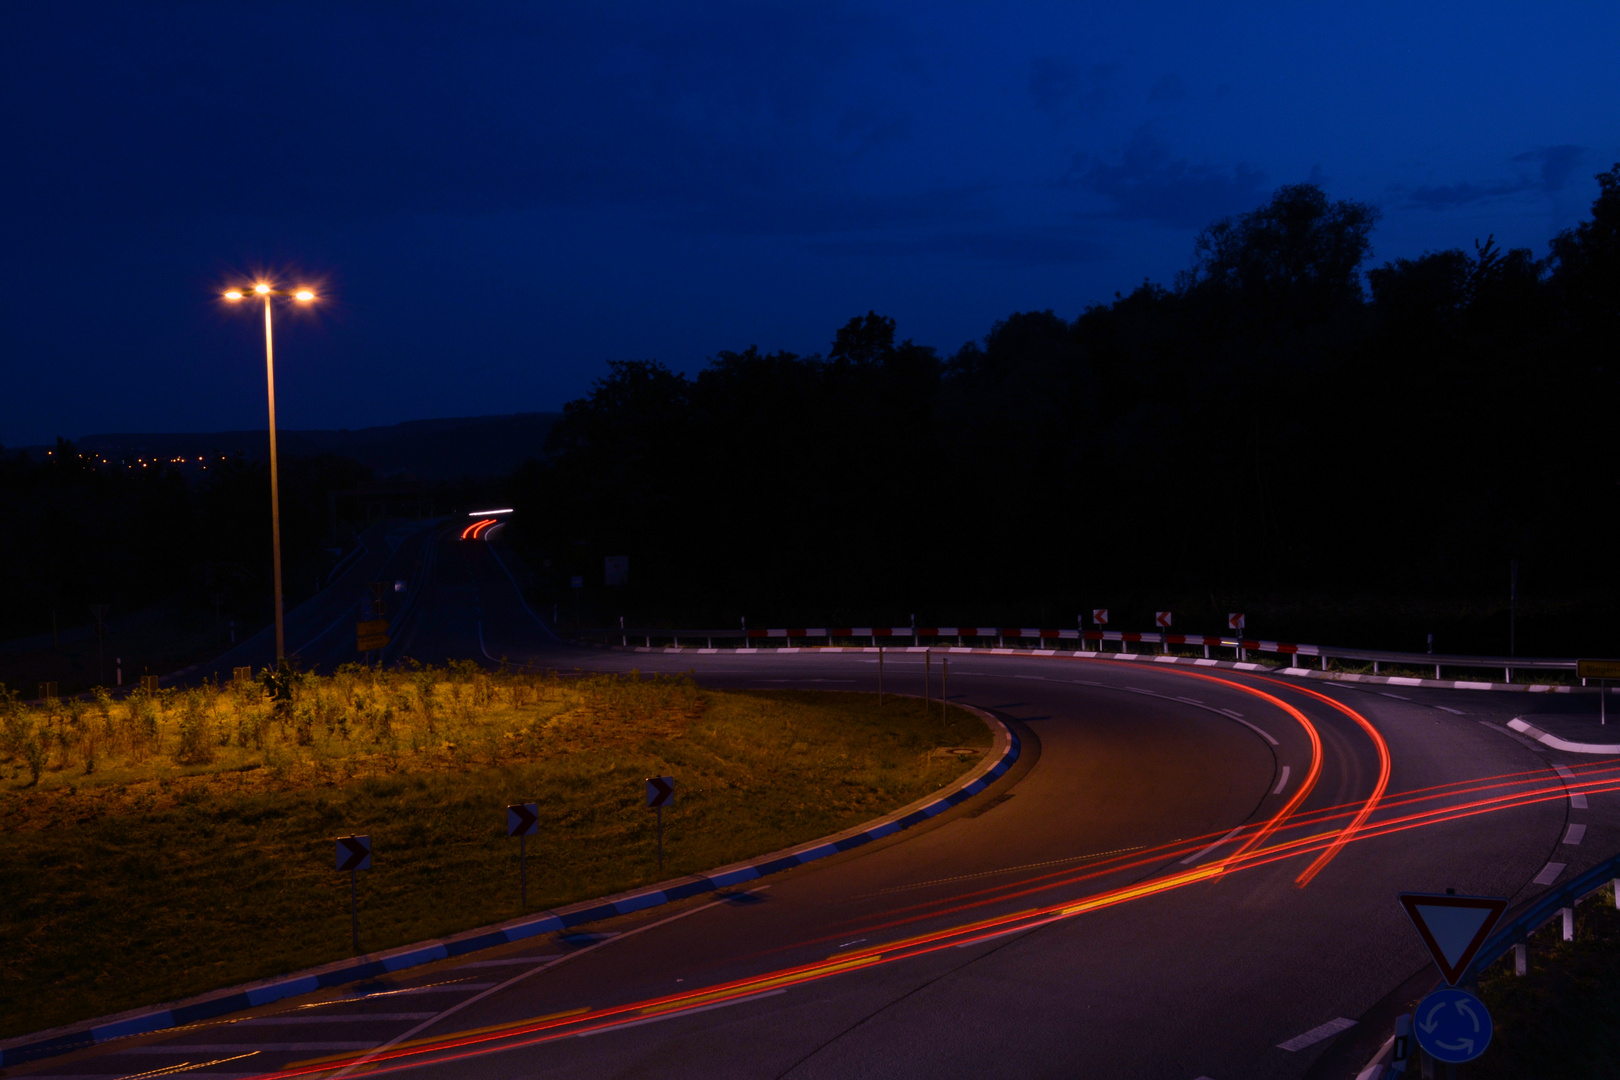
1189,874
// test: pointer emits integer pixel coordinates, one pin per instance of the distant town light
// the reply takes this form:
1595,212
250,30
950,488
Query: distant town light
487,513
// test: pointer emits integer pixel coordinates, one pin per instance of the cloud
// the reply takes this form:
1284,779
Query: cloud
1058,85
1557,165
1148,184
1046,247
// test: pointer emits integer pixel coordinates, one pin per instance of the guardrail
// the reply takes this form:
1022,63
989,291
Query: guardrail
963,635
1515,934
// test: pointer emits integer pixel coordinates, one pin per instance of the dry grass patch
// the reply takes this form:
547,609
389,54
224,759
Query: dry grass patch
157,847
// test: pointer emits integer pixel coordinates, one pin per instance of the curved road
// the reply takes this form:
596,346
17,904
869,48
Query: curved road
1191,873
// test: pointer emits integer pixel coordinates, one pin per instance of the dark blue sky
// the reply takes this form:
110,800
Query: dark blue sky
500,197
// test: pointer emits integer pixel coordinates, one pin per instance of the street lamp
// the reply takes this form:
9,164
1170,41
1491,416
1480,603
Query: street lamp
302,296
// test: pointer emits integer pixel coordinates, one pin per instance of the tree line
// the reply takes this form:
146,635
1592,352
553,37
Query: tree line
1350,448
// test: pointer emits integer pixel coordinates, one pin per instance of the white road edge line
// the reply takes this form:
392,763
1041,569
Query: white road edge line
1316,1035
674,1013
1195,856
424,1025
1282,783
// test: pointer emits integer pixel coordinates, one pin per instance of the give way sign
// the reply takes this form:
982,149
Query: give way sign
1453,927
660,791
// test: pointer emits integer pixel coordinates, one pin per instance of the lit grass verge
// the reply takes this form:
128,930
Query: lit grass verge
1562,1019
148,880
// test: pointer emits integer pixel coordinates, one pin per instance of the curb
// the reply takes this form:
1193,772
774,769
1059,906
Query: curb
1150,658
1004,753
1556,743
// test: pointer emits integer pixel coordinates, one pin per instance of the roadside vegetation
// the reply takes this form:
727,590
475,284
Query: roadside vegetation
1562,1018
157,846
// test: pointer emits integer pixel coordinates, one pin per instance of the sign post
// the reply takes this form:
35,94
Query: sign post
660,793
1235,622
523,821
1099,616
1602,671
354,855
1162,620
1451,1024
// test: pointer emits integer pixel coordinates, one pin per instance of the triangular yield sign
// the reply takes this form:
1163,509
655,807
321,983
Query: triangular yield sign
1453,927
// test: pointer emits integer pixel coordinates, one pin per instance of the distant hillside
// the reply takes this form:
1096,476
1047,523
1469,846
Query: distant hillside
421,449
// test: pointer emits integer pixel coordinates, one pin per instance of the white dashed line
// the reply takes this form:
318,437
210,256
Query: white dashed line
1397,697
1453,712
1195,856
1577,800
1282,782
1316,1035
1565,771
1576,834
1549,873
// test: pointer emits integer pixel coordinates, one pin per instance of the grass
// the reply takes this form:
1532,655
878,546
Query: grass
1562,1018
162,846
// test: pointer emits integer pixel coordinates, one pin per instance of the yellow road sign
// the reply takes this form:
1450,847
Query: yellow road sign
374,626
1597,669
368,642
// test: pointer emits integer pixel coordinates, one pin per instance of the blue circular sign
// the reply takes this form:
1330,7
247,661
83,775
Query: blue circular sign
1452,1025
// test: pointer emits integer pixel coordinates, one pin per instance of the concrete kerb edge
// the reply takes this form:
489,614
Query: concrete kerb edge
1531,731
1150,658
1004,753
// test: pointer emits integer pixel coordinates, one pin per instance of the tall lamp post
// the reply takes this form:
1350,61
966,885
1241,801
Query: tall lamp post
268,293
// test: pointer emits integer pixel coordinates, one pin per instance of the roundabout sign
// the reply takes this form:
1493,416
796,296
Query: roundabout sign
1452,1025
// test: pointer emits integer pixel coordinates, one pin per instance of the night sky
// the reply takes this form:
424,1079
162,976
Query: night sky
497,198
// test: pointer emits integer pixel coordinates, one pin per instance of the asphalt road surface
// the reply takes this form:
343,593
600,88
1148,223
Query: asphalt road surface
1190,873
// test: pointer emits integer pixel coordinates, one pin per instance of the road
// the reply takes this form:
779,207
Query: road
1190,873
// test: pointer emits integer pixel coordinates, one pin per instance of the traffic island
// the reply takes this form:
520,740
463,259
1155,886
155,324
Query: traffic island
176,844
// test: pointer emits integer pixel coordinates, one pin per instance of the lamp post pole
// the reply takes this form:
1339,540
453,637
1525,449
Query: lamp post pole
303,296
275,485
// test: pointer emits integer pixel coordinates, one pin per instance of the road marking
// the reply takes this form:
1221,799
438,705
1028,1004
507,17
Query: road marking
185,1066
451,987
1549,873
679,1012
520,976
511,961
1316,1035
1282,783
1453,712
250,1048
1578,801
1003,933
1257,730
341,1018
1004,870
1565,771
1190,700
1195,856
1397,697
1575,835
